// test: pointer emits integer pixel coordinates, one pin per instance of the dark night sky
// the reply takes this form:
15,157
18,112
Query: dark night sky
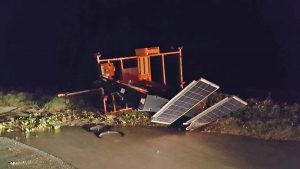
239,44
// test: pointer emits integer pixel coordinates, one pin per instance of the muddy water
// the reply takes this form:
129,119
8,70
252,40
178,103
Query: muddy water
153,148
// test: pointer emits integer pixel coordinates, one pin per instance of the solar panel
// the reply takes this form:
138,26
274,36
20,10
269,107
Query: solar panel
222,108
184,101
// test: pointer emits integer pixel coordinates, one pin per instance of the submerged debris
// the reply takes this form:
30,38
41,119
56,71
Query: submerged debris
102,130
110,132
98,128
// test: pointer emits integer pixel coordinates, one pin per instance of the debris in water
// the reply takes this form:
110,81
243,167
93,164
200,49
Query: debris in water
99,127
110,132
100,130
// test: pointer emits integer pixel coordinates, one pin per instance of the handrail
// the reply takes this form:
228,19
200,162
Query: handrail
135,57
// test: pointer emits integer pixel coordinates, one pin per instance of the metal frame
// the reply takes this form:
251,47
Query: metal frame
162,55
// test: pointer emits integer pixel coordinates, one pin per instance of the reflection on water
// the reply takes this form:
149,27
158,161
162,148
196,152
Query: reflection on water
150,148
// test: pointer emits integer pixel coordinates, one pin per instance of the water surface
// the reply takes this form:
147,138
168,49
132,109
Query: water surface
149,148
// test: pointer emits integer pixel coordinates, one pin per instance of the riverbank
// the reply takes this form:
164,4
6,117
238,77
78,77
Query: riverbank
26,112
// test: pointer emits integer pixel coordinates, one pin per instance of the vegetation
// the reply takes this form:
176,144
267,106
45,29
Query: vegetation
262,119
54,112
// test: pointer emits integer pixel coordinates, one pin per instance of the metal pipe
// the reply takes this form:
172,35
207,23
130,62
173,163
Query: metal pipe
149,67
122,66
113,102
135,57
104,104
103,99
180,68
163,69
76,93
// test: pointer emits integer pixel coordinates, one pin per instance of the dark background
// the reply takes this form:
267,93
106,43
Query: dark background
248,47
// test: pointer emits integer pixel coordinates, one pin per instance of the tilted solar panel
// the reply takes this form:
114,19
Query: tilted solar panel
222,108
190,96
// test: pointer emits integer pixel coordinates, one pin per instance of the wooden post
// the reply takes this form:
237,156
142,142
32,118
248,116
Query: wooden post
180,68
163,69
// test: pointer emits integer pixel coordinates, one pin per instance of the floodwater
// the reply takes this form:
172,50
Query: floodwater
163,148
